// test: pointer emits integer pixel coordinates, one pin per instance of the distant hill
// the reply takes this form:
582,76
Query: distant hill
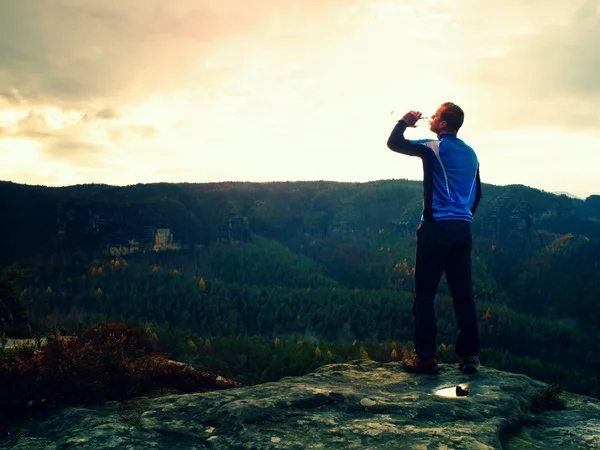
568,194
42,219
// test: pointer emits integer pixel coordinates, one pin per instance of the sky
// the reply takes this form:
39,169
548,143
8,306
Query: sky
141,91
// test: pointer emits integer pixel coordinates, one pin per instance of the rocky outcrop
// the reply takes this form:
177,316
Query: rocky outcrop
359,405
234,229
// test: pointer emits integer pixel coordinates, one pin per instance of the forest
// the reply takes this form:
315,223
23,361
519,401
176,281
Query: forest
257,281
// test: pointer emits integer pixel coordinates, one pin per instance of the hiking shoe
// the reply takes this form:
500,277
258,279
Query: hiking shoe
469,364
420,364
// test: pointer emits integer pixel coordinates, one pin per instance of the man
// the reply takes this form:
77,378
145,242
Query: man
452,191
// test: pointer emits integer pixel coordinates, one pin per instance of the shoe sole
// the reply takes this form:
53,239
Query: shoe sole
469,369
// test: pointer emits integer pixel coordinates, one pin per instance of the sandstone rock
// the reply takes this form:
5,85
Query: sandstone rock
359,405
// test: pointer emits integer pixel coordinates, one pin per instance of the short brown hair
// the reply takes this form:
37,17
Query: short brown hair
453,115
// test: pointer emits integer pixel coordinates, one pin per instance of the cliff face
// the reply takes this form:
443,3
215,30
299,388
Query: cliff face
360,405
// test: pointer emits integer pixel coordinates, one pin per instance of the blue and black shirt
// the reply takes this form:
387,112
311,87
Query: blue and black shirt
452,187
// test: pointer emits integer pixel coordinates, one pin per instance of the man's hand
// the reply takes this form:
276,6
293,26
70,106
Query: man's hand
411,118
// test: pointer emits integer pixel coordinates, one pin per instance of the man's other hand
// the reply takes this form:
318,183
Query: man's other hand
411,118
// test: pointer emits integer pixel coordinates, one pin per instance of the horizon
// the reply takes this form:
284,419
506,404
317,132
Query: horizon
195,92
569,194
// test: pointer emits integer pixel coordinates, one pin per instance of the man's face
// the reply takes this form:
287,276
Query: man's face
436,125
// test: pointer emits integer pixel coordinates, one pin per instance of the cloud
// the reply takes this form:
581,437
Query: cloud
76,53
69,54
124,132
546,77
80,141
106,114
98,64
101,114
12,97
68,143
33,126
78,152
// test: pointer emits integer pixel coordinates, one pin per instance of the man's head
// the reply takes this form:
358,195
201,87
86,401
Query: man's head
447,119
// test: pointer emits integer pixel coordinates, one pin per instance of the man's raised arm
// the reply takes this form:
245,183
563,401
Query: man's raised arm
398,143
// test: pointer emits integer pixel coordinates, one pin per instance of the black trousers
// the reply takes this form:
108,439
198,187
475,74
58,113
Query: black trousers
444,247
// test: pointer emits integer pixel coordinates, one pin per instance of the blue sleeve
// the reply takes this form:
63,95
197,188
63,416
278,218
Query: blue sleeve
398,143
